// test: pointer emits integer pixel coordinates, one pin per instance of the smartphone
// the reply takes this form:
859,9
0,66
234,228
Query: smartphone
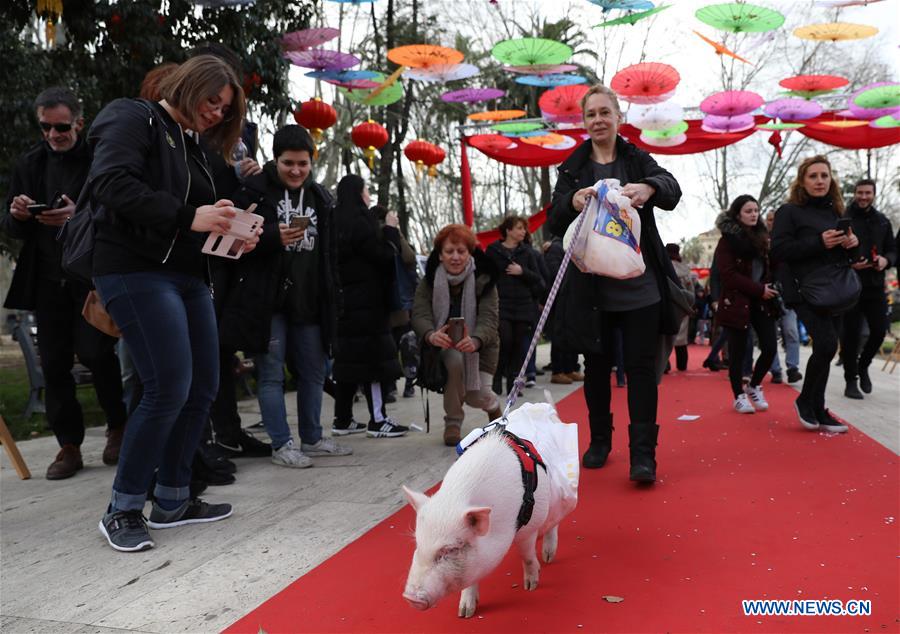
457,328
843,224
299,222
38,208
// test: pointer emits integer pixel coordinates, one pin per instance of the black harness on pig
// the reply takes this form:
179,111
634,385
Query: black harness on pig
529,459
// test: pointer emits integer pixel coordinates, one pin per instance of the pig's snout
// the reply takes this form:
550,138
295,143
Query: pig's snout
418,600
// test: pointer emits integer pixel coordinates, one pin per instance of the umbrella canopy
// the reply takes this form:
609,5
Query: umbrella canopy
566,143
424,55
541,69
442,72
723,125
885,95
814,83
496,115
835,31
547,81
729,103
679,128
385,97
472,95
657,116
779,126
740,17
887,121
670,141
322,59
308,38
491,142
562,104
549,138
632,18
527,51
792,109
518,126
624,5
343,75
721,49
646,82
859,112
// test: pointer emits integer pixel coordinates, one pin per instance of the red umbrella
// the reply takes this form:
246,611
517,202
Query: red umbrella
491,142
811,83
729,103
563,103
647,82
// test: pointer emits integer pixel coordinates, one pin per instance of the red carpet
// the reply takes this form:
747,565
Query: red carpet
747,507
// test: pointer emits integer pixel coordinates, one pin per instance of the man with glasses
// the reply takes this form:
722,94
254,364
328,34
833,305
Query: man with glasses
44,185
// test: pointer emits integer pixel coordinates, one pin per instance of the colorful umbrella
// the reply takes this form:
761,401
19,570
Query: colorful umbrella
813,83
848,123
887,121
835,31
793,109
541,69
729,103
646,82
562,104
525,133
472,95
671,141
343,75
424,55
779,126
657,116
491,142
322,59
624,5
883,95
679,128
632,18
869,114
308,38
527,51
518,126
566,143
367,97
804,94
543,140
740,17
724,125
720,48
442,72
548,81
496,115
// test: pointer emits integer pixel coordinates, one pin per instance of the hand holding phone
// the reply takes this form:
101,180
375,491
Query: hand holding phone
38,208
844,225
299,222
456,330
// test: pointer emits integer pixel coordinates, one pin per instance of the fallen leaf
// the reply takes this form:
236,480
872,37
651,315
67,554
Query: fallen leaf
612,599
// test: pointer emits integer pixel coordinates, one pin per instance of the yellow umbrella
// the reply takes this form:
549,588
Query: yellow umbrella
846,123
551,138
496,115
834,31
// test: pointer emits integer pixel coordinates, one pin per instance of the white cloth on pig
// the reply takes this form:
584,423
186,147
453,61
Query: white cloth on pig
440,308
557,442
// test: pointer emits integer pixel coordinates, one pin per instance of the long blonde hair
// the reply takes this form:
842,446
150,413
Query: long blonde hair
799,196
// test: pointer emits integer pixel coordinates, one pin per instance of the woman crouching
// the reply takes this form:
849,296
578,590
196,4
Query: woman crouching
460,282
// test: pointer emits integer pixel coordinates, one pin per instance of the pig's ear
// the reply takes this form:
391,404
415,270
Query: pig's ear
415,499
478,519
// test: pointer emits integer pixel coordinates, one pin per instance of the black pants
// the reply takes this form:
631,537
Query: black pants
739,342
343,401
824,330
226,422
681,358
562,359
63,333
874,311
511,353
640,339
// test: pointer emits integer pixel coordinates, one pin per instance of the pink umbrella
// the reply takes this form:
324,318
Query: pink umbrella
308,38
869,114
723,125
729,103
793,109
322,59
472,95
541,69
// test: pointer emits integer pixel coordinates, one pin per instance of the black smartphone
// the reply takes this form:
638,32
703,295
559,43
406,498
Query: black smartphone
299,222
843,224
38,208
457,328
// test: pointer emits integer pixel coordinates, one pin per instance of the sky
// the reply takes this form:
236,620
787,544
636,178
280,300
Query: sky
671,42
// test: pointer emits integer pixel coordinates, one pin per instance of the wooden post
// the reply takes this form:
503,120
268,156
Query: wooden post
12,451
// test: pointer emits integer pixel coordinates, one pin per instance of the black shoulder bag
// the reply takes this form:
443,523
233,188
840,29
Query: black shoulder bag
831,289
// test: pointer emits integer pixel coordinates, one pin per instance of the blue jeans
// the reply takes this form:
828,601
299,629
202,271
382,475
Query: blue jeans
304,343
168,324
790,339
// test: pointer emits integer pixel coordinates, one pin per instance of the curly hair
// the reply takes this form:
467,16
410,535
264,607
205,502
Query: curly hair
510,222
456,233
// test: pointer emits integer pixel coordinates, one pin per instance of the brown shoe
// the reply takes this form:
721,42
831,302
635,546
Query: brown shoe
561,379
67,462
451,435
494,414
577,377
113,445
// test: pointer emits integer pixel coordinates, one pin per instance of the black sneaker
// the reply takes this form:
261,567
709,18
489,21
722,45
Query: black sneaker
851,391
194,511
126,531
409,390
807,414
865,381
345,429
243,445
776,378
385,429
794,375
831,424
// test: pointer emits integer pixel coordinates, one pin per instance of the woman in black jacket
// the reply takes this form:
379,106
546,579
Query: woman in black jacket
519,287
593,305
742,258
153,200
806,239
364,351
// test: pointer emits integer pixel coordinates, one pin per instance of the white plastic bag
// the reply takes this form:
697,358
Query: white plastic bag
609,242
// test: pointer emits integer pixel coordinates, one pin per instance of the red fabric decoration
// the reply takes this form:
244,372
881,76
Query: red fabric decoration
535,222
775,140
860,138
468,212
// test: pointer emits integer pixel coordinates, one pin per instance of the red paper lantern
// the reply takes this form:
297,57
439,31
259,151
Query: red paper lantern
369,136
436,157
316,116
419,152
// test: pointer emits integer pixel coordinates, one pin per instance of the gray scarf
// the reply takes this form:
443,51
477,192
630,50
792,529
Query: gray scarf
440,306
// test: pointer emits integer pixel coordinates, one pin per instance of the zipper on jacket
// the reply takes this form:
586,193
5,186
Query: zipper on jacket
186,192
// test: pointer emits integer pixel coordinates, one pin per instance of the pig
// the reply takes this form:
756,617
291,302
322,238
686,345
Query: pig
465,529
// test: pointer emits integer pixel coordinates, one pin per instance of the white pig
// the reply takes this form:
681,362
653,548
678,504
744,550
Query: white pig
466,528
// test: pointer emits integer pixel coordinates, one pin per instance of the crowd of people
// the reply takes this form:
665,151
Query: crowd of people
326,290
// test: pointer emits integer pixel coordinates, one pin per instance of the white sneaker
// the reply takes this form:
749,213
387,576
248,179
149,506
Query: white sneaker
742,405
326,447
757,398
289,456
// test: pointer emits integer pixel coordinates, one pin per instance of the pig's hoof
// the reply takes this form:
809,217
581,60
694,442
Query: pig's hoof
531,583
548,553
468,601
548,547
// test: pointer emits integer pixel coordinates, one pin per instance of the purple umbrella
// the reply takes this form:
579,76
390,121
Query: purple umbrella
729,103
322,59
472,95
869,114
792,109
308,38
722,125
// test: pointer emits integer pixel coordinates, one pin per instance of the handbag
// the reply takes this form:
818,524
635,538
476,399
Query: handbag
95,314
77,238
832,289
431,374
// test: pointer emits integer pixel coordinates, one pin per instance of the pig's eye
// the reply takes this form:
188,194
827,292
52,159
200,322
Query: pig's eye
446,552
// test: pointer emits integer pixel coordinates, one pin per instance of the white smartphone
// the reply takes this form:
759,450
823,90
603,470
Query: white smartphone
231,245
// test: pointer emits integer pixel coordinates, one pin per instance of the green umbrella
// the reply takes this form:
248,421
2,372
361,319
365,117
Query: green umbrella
389,95
887,121
631,18
679,128
879,97
805,94
740,17
526,51
517,126
779,126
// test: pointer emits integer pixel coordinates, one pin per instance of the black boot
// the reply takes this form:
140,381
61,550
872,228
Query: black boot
601,442
642,444
852,391
865,382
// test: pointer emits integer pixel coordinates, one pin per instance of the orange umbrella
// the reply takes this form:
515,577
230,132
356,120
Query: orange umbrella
846,123
835,31
550,138
496,115
720,48
424,55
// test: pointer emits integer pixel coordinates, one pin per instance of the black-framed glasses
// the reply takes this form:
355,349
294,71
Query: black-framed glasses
59,127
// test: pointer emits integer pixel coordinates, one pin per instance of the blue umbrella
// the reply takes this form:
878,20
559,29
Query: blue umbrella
624,5
342,75
547,81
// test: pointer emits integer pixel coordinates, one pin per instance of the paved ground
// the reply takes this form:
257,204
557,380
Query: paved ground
58,575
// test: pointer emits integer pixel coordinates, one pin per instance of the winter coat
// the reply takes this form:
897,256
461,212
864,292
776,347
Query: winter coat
683,271
734,258
875,236
28,178
519,294
580,310
259,286
364,349
487,312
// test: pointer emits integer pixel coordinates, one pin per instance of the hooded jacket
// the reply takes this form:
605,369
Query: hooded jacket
519,294
734,257
875,238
